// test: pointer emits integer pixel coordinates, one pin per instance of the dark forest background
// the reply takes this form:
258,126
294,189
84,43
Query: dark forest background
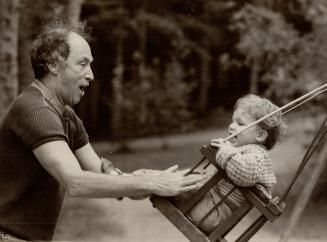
174,66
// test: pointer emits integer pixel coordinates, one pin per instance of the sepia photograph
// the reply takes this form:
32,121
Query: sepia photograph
163,120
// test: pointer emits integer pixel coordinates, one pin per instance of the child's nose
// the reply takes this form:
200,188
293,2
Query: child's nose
231,127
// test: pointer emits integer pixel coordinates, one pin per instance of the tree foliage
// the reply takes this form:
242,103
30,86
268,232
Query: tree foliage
166,98
291,62
136,43
148,43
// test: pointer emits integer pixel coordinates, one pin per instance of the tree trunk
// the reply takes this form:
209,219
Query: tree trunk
117,95
9,18
254,77
204,85
142,70
27,29
205,70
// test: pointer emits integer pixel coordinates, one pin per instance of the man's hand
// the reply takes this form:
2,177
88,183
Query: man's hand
172,182
147,172
150,172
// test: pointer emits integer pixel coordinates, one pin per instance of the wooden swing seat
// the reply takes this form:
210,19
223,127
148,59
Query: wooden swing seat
176,212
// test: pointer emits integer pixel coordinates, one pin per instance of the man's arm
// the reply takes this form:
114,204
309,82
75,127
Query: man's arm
88,159
61,163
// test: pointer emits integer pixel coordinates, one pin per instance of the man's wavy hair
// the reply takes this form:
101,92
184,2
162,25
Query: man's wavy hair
50,46
259,107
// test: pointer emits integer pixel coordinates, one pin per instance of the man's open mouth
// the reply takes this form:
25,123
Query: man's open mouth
83,88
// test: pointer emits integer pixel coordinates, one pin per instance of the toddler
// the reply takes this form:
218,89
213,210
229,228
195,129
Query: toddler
245,159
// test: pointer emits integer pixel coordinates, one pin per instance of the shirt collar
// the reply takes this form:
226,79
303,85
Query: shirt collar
49,96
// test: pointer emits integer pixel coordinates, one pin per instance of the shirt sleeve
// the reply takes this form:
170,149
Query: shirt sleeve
80,136
245,168
38,126
224,153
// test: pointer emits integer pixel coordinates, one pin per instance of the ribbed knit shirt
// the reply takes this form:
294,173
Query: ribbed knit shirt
30,198
248,165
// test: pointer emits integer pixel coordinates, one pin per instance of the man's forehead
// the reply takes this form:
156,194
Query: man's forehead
79,46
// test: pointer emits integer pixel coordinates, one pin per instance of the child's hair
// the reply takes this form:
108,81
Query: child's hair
259,107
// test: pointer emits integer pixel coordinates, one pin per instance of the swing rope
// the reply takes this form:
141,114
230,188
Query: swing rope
310,151
284,109
272,207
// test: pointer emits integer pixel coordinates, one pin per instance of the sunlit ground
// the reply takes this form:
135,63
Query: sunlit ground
127,220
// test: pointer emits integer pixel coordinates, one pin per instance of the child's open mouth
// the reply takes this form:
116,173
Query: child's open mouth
233,139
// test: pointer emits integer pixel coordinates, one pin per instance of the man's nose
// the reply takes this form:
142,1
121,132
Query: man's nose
89,75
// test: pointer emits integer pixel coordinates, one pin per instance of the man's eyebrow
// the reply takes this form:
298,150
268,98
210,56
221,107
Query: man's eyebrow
87,59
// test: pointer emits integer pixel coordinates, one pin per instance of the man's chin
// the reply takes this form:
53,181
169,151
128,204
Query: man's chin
76,100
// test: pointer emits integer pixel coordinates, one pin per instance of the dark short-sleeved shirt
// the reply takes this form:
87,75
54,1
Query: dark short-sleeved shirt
30,198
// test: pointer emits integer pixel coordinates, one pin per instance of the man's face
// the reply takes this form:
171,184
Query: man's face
75,77
241,119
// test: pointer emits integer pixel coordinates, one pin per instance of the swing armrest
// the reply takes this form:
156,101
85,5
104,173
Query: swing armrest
275,207
185,206
271,210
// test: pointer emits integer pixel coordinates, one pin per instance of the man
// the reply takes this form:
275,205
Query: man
44,148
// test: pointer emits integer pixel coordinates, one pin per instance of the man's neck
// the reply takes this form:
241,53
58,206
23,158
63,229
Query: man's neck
51,84
48,88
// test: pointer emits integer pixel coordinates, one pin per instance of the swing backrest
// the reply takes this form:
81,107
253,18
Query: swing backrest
176,212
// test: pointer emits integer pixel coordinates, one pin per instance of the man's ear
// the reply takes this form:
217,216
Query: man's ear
261,136
53,68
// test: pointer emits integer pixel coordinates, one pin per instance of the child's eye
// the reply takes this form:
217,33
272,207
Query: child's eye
241,123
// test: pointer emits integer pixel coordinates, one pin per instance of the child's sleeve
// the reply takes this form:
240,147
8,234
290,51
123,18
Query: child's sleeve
244,169
224,153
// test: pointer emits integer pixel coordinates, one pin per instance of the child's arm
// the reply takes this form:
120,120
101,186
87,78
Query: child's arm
244,169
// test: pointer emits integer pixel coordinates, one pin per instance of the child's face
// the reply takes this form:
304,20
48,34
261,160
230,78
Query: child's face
241,118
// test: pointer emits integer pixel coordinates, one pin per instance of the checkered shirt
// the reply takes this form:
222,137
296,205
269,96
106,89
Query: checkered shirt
247,165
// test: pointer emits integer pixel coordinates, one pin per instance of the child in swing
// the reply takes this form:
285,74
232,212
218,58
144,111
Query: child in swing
245,159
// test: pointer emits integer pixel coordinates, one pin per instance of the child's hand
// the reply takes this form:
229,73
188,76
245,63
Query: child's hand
225,151
108,168
220,143
216,142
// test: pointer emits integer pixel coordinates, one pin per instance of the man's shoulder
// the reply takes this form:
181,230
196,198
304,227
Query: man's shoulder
29,99
30,102
29,95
